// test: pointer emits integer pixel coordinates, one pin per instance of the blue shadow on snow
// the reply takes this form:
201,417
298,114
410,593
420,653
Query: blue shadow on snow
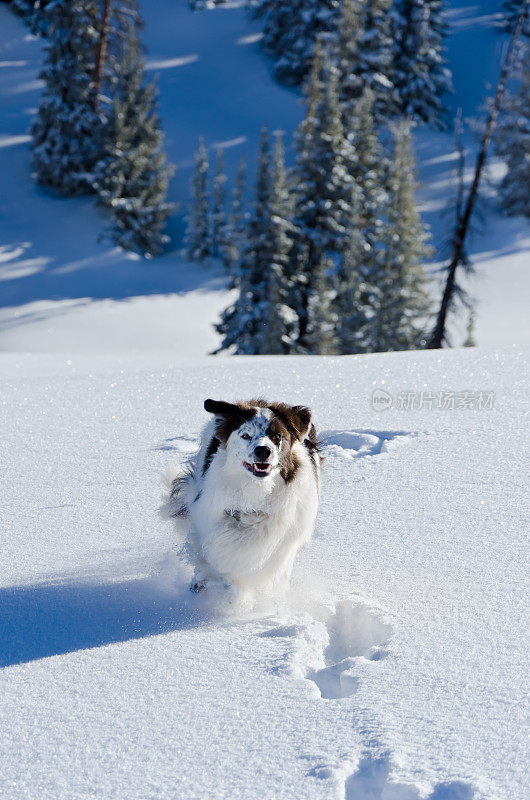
52,619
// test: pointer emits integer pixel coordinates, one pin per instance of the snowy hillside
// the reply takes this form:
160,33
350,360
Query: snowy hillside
395,670
63,290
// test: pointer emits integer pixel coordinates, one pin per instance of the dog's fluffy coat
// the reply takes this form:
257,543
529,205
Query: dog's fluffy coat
250,496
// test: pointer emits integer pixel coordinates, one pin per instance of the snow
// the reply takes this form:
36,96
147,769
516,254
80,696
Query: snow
395,669
69,291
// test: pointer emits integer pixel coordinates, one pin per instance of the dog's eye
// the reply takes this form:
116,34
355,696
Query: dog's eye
246,436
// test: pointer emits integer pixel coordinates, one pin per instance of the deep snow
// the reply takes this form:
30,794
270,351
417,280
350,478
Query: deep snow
395,670
61,290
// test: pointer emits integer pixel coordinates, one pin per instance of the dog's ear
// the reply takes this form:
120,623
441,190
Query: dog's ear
222,409
228,417
301,421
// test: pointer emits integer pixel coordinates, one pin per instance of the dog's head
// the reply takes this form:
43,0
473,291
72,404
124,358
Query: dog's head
259,437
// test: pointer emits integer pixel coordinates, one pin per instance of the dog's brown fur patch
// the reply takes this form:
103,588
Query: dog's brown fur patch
229,416
291,423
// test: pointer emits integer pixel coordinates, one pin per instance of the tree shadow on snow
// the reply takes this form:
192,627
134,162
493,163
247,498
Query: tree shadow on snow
52,619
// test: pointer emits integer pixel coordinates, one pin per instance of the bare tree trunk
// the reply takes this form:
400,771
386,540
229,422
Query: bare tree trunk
458,251
101,51
461,166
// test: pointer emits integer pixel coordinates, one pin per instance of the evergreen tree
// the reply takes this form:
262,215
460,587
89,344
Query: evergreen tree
132,177
399,298
469,341
241,324
321,190
277,317
358,263
219,223
290,30
319,335
32,12
198,231
513,143
234,237
365,162
365,55
422,76
67,131
512,12
260,321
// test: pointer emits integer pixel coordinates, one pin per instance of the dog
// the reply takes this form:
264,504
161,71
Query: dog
250,496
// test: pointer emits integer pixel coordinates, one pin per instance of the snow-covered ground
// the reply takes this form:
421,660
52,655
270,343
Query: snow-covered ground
62,290
395,670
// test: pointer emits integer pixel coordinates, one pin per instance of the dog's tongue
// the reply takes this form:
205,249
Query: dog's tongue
258,468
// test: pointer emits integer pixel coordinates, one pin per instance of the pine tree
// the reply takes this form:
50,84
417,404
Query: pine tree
67,132
469,341
365,55
260,321
198,230
400,302
319,335
321,189
277,317
360,262
365,163
290,30
241,325
234,237
512,141
33,14
219,223
351,302
132,177
512,12
422,76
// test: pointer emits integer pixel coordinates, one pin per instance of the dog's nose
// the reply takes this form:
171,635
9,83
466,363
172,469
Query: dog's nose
262,452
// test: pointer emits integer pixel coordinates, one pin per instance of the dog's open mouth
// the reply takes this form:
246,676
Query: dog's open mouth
258,469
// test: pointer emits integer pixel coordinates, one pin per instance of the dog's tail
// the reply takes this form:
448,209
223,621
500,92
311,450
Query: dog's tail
176,480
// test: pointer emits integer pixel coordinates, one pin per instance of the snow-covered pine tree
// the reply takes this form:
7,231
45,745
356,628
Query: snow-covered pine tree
469,341
241,325
290,30
132,177
421,74
321,193
67,132
361,255
365,162
32,12
351,302
399,299
319,336
219,231
198,229
234,238
278,319
365,55
511,12
512,142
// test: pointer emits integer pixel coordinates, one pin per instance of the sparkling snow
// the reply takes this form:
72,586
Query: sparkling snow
396,668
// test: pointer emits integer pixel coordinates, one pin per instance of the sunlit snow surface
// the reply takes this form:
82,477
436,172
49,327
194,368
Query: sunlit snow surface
62,290
395,669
